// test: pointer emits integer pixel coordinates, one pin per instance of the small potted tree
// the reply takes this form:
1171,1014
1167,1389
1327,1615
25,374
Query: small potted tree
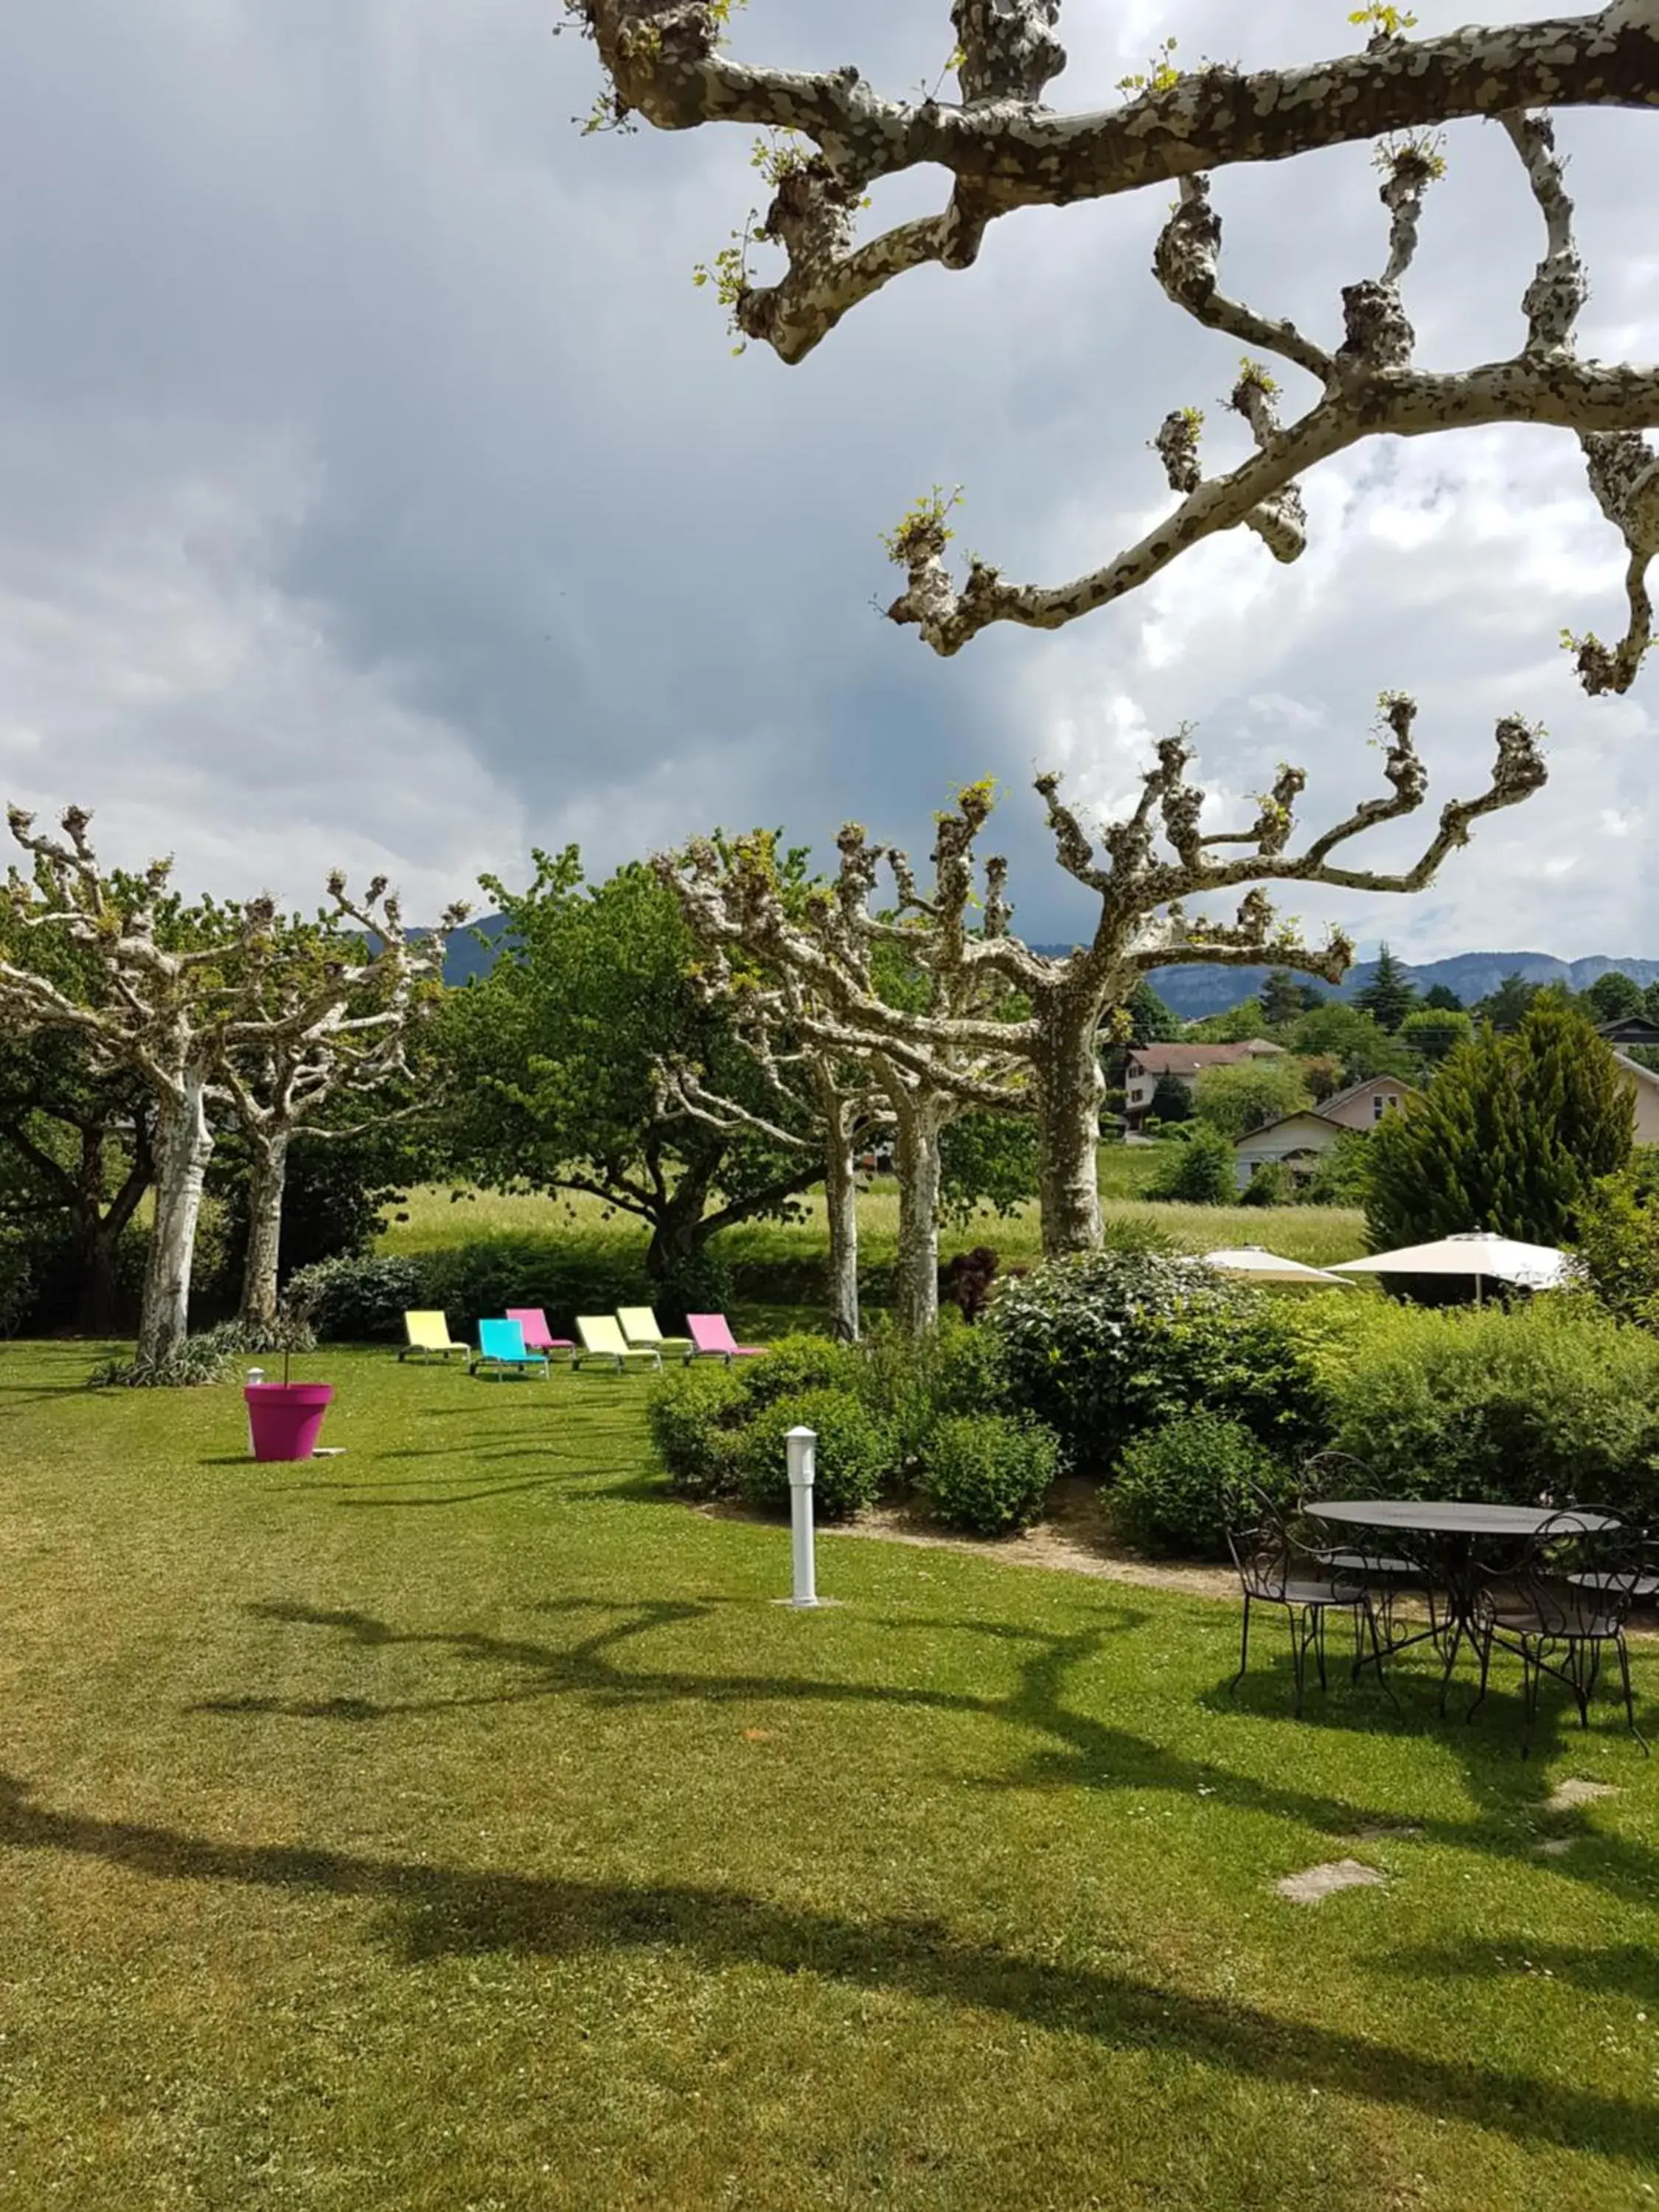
285,1419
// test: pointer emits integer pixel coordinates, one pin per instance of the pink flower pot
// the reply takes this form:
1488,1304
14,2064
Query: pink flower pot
285,1419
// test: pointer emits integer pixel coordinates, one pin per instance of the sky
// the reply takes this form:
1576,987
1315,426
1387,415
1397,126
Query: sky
379,490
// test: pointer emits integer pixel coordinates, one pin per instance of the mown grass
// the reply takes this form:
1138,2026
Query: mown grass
458,1823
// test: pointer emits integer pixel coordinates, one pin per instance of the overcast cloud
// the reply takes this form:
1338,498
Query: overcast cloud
379,491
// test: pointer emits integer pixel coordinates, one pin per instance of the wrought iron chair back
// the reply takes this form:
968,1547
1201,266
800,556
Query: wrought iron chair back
1260,1542
1581,1581
1565,1602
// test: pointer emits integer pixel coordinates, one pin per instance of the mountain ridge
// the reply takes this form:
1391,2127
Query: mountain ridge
1211,988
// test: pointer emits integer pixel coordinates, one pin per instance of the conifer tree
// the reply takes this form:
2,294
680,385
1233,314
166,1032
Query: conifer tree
1390,996
1511,1137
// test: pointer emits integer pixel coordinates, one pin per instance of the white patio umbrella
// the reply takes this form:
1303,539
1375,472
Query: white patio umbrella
1268,1267
1476,1252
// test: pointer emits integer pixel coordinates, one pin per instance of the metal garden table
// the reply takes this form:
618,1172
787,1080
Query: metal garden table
1451,1531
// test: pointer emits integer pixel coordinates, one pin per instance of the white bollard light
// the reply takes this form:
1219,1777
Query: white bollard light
802,1447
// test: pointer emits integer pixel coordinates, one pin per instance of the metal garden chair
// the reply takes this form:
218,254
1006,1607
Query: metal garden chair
1386,1575
1279,1566
1560,1607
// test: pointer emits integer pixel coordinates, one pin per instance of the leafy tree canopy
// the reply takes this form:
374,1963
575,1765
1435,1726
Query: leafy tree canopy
1239,1099
553,1056
1349,1035
1613,998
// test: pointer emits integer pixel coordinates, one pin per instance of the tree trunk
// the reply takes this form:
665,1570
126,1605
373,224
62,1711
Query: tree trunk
267,1179
915,1278
184,1145
95,1284
841,1202
1070,1087
679,1233
98,1301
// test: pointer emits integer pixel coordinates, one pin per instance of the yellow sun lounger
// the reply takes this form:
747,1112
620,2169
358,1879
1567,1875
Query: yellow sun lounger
602,1339
428,1333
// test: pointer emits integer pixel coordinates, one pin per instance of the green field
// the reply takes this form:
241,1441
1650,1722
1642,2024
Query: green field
1317,1234
459,1824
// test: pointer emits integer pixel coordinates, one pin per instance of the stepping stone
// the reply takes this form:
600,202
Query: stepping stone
1316,1884
1554,1847
1575,1792
1386,1832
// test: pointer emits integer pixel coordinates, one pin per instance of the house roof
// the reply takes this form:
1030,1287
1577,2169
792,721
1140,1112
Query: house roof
1301,1113
1192,1059
1359,1091
1635,1067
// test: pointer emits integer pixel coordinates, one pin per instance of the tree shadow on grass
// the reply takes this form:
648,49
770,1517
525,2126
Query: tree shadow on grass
1077,1750
1615,1970
428,1913
1485,1735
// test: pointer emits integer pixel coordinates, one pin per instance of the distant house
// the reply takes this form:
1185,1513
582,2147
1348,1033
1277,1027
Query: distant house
1148,1064
1645,1083
1634,1029
1298,1140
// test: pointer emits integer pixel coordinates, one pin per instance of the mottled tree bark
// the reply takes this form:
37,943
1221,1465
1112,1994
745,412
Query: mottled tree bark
1069,1090
916,1274
841,1205
267,1182
184,1145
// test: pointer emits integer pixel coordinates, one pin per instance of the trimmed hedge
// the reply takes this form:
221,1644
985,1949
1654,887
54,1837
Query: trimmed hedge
1548,1400
362,1300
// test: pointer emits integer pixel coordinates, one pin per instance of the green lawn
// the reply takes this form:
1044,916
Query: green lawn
459,1824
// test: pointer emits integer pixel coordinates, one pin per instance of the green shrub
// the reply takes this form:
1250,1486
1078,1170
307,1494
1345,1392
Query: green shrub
359,1298
1201,1172
989,1472
800,1363
692,1413
1174,1483
1270,1183
1106,1344
1549,1400
913,1383
854,1453
1618,1244
16,1283
210,1357
1338,1176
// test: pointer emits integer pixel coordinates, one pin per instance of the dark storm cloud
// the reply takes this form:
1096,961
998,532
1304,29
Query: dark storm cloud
371,465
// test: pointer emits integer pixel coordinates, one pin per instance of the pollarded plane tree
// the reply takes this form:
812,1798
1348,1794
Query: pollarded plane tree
180,998
822,1102
834,138
1009,1030
865,986
327,1009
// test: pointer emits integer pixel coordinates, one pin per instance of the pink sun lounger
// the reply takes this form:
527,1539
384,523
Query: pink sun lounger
533,1322
711,1339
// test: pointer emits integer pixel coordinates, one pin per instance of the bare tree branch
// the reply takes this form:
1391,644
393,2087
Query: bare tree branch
665,60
